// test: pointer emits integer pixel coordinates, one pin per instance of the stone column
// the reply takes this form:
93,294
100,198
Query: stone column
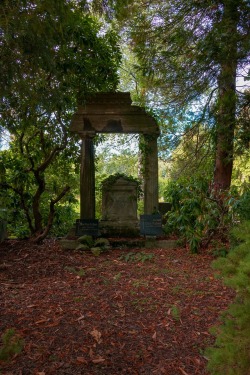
87,177
150,174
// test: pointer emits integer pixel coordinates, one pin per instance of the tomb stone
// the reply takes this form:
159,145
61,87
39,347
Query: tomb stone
119,206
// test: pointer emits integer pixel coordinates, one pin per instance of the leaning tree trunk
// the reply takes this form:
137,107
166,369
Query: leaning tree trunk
226,109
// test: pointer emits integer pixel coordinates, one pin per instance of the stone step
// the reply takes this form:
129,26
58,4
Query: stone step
127,243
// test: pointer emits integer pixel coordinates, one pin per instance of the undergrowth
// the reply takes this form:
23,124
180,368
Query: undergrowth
201,215
231,352
12,344
137,257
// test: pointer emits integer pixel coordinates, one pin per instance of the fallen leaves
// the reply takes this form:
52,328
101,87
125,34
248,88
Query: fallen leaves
98,360
119,318
97,335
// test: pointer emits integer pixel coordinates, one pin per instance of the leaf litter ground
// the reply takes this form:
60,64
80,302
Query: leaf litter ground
109,315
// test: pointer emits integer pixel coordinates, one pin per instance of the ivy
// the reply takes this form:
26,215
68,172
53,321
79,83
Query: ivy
111,180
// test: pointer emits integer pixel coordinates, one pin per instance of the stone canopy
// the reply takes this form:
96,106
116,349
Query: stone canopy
114,113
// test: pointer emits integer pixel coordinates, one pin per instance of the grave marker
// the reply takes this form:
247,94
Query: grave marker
151,225
87,226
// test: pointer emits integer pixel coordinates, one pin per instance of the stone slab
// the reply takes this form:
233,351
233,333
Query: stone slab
86,226
69,244
151,225
160,244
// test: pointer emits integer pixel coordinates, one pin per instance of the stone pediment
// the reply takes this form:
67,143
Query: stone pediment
112,113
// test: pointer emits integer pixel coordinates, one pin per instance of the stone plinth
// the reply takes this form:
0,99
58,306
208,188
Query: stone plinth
119,207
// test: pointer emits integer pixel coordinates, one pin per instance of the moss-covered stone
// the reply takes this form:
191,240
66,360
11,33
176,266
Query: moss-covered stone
96,251
102,242
69,244
86,240
82,247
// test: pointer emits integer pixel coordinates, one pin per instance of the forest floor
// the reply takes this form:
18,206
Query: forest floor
111,314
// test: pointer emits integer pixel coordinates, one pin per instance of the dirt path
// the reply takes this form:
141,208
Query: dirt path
80,314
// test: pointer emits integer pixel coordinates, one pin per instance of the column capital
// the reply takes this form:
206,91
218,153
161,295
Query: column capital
88,134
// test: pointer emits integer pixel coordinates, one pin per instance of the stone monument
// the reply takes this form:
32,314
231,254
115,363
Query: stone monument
114,113
119,206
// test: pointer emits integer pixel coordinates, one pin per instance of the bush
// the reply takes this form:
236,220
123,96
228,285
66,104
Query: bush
242,207
64,219
197,215
231,352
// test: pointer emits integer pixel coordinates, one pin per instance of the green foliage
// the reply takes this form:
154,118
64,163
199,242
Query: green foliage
79,272
65,215
175,312
137,257
113,178
243,205
86,240
187,57
2,229
12,344
102,242
231,352
52,56
96,247
197,214
194,155
96,251
117,155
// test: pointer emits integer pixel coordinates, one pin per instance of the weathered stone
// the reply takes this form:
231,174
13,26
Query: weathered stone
96,251
82,247
119,206
69,244
102,242
114,113
86,240
160,244
151,225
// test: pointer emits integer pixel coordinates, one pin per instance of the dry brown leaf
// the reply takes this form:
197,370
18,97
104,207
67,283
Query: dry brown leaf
81,360
98,360
183,371
41,321
91,353
97,335
154,336
80,318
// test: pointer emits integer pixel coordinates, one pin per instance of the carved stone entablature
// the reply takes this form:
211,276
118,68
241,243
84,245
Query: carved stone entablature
112,113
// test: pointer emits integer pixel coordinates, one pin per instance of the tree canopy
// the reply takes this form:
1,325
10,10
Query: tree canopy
184,58
190,54
52,56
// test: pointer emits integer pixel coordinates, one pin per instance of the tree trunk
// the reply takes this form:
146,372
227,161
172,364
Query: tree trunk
38,224
43,234
226,109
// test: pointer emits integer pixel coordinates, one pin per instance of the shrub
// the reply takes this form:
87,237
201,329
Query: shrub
242,207
198,215
231,352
